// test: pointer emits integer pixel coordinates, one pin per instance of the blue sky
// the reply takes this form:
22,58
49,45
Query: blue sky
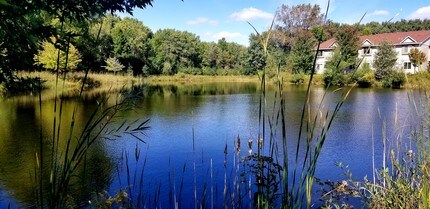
214,19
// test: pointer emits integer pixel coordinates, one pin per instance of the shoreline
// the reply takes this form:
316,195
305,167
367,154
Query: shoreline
99,82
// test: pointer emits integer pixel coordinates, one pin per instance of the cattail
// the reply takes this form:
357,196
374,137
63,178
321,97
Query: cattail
260,143
225,155
238,143
250,146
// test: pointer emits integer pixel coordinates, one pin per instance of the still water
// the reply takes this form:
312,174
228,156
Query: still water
189,150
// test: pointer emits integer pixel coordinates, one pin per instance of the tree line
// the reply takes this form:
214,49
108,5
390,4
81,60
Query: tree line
92,39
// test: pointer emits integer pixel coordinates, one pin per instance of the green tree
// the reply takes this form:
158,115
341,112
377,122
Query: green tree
96,44
231,55
131,43
417,57
385,59
209,54
47,57
175,49
348,42
334,75
130,38
256,60
23,27
302,53
113,64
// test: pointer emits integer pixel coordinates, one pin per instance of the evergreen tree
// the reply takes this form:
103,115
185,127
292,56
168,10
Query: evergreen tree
385,59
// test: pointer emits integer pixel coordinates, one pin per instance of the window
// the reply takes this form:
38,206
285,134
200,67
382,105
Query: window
405,50
319,67
319,53
366,51
407,66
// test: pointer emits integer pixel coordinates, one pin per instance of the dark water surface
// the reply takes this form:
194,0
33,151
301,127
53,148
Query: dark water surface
190,127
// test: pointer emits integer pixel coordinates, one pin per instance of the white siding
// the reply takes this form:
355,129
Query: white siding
402,57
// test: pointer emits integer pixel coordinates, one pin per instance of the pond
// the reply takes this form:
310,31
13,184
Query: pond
190,150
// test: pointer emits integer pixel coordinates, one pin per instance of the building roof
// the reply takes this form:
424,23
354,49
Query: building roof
397,38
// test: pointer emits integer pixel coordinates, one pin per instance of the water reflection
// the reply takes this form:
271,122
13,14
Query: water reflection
189,123
23,133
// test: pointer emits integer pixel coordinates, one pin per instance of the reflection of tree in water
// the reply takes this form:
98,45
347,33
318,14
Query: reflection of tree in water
20,141
175,98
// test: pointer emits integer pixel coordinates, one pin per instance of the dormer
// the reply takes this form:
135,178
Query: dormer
366,43
408,40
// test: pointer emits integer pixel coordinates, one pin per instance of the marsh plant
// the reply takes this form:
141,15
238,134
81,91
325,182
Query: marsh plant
401,178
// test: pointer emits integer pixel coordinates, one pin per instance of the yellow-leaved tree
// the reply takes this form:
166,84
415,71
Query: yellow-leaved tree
47,57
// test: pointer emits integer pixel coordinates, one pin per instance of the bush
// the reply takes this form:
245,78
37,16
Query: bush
78,78
298,78
334,77
364,76
334,73
190,71
209,71
398,79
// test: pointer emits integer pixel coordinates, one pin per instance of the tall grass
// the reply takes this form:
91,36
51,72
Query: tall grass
59,165
272,174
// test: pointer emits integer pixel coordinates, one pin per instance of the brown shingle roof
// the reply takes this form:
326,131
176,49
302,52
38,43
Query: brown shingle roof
393,38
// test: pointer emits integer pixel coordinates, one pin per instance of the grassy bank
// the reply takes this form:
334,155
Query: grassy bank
73,82
197,79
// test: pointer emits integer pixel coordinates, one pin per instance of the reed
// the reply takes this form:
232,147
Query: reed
61,165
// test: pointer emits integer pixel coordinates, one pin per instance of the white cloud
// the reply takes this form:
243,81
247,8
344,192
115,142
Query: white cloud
380,12
202,20
250,13
228,35
421,13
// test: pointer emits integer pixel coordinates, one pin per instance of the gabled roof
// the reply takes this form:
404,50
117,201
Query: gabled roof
397,38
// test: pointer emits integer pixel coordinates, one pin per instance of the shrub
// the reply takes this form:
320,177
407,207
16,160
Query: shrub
190,71
298,78
334,73
364,76
113,65
398,79
209,71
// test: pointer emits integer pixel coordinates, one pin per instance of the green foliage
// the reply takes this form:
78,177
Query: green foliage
256,60
417,57
302,53
364,76
298,78
348,41
47,57
113,64
191,71
385,59
26,23
175,49
366,31
209,71
335,67
103,200
398,26
96,47
209,54
397,79
130,38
